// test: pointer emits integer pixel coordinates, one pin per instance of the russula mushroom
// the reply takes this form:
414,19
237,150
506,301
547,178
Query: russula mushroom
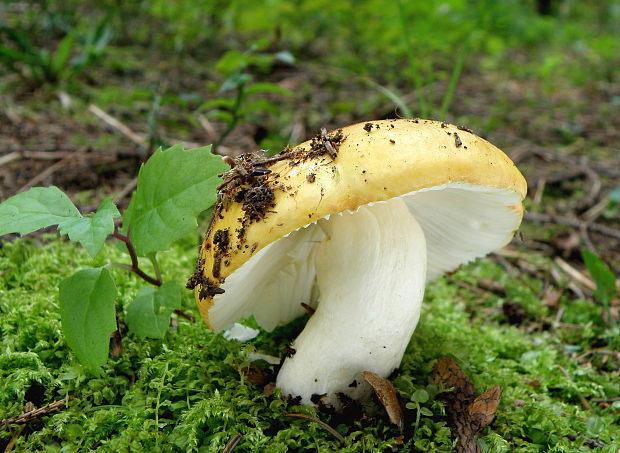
353,223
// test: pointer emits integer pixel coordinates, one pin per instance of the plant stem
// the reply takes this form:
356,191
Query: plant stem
454,78
134,261
187,316
153,259
235,117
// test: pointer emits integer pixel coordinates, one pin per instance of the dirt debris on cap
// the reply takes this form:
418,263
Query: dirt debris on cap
457,140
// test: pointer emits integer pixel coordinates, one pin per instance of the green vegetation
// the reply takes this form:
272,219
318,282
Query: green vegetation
157,216
243,75
187,392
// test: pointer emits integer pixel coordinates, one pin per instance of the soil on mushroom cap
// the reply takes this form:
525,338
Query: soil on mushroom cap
457,140
207,287
324,143
221,240
248,183
256,201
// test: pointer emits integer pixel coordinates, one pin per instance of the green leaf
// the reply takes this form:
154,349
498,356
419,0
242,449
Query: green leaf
221,115
230,62
262,87
421,396
174,186
88,315
34,209
218,103
425,411
149,313
92,231
60,58
234,82
603,277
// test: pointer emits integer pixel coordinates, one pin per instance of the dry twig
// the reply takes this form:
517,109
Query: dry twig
574,273
31,413
138,139
574,223
232,443
51,170
322,424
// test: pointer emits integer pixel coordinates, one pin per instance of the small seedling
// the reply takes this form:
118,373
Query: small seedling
36,66
606,289
423,400
235,67
174,187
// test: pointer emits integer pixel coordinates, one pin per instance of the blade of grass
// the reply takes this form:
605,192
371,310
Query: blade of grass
415,75
454,79
392,96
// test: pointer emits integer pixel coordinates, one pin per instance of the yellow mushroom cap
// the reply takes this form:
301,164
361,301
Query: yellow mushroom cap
457,185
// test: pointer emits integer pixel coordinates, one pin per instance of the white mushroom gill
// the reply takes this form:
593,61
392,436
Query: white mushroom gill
371,271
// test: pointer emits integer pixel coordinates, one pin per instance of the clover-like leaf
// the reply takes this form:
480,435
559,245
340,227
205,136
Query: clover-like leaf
88,315
148,315
174,186
92,231
34,209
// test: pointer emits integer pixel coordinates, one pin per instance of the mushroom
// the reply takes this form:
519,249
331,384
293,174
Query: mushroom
389,206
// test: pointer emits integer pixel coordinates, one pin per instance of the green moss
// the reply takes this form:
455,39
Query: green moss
186,392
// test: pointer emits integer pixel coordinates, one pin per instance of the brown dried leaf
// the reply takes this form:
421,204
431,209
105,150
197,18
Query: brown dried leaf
387,396
469,413
552,297
482,410
256,375
269,389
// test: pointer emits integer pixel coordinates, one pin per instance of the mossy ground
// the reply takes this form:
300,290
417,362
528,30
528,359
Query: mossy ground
543,86
188,393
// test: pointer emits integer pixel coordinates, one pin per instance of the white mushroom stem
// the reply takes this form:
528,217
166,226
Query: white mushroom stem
371,272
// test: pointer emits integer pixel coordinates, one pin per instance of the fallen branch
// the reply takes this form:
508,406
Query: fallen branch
574,273
232,443
129,187
138,139
33,414
10,157
50,170
610,168
574,223
324,425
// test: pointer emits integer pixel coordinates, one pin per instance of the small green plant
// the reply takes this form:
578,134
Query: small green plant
613,206
422,400
174,187
36,66
235,67
605,292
